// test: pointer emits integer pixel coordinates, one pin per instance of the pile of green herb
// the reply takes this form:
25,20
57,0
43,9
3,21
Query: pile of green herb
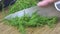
22,4
34,21
28,21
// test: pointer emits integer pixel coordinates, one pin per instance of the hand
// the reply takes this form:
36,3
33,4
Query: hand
45,2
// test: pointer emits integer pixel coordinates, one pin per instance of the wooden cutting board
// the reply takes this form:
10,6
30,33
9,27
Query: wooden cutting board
46,11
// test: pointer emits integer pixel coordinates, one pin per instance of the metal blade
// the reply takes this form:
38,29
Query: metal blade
28,11
45,11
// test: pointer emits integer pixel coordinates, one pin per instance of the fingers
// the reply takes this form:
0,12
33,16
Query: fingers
45,2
